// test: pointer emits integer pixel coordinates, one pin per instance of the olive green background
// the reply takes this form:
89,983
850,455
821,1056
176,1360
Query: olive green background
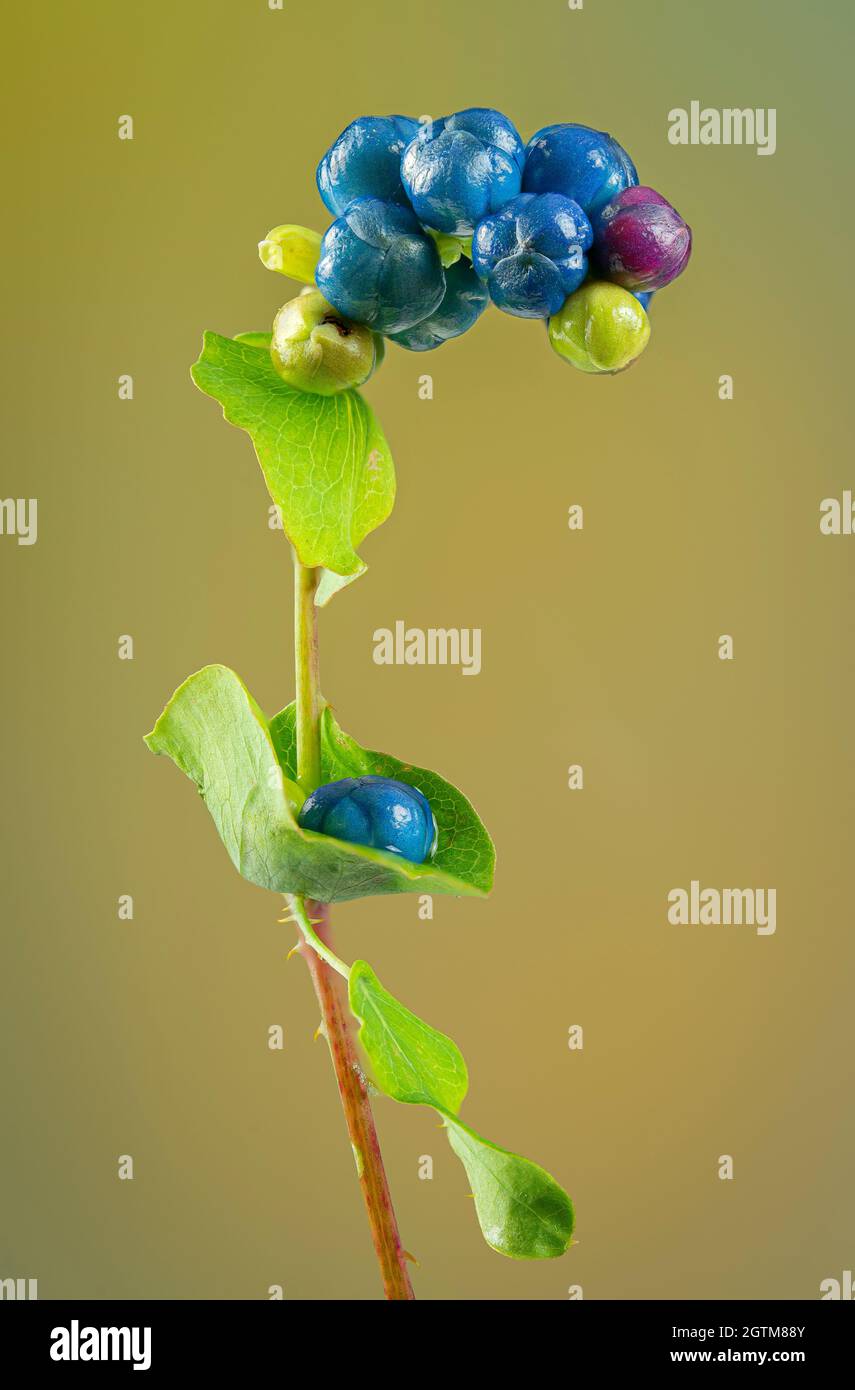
149,1038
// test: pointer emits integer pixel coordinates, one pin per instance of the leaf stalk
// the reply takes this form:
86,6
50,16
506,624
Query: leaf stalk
304,922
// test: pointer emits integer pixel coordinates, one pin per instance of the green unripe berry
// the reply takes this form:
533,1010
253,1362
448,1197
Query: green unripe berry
600,328
292,251
314,348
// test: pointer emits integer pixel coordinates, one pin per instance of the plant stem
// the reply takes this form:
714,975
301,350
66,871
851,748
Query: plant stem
329,987
310,936
309,698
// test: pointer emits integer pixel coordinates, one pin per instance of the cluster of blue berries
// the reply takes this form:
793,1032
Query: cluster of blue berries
435,219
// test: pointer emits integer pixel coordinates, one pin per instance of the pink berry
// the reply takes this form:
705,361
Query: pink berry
640,241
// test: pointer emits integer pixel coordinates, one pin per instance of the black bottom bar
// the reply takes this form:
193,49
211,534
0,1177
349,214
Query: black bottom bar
233,1338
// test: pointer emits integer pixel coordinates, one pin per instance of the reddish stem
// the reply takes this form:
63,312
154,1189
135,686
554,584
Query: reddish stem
329,988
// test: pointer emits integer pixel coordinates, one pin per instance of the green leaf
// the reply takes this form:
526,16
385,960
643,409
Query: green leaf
215,732
325,459
521,1209
260,340
410,1061
464,851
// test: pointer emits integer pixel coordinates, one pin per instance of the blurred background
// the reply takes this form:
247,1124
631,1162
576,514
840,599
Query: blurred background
149,1037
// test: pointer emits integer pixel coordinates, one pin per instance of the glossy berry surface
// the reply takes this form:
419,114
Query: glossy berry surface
378,812
641,242
314,349
365,162
378,266
459,169
464,301
601,328
531,255
586,165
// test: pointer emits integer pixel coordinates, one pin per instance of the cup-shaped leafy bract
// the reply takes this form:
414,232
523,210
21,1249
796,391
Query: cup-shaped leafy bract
325,459
215,732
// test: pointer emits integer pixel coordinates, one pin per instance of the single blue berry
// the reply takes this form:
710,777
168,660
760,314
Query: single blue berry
378,266
464,302
365,162
586,165
531,255
378,812
459,169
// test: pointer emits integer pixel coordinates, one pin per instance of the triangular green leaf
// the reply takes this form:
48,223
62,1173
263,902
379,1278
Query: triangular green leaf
215,732
521,1209
410,1061
325,460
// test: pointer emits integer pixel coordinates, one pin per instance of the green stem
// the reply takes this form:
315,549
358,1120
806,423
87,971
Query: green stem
309,699
310,936
325,967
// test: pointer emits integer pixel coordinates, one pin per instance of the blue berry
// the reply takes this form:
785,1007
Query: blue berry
459,169
374,811
365,162
586,165
378,266
532,254
464,301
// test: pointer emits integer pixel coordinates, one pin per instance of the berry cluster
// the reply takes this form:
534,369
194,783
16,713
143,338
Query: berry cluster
433,220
